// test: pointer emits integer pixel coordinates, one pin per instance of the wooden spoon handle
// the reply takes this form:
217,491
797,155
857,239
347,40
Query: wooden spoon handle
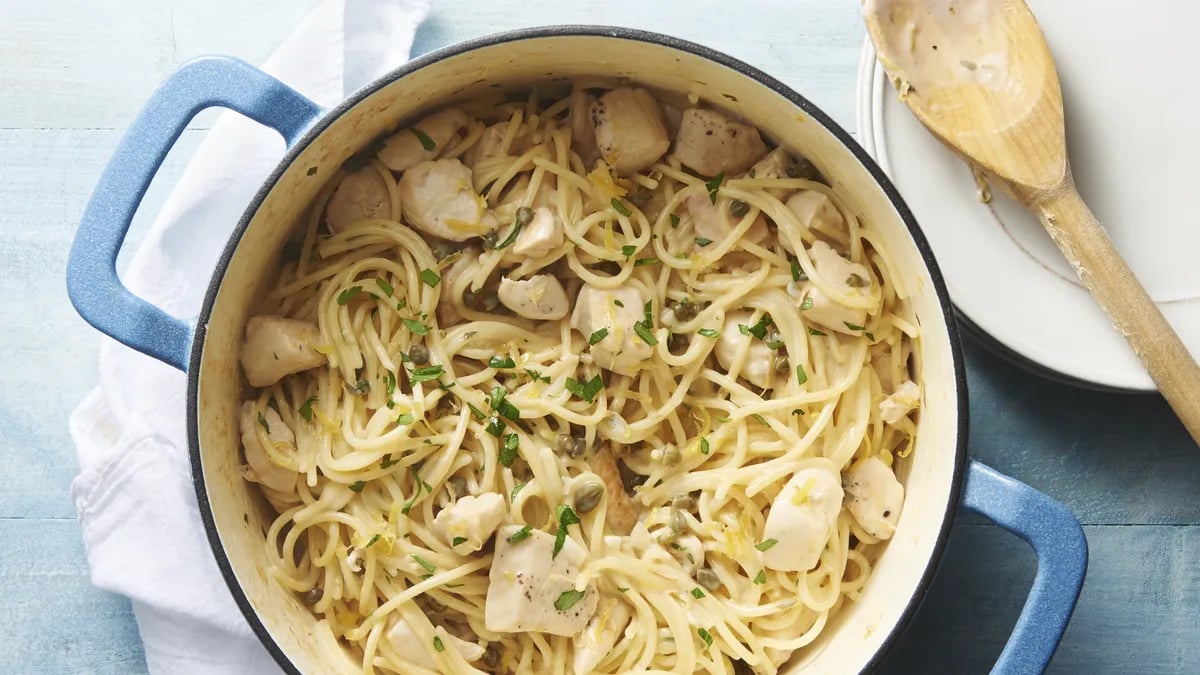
1087,247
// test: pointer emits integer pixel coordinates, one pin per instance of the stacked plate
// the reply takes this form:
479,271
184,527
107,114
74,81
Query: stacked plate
1133,136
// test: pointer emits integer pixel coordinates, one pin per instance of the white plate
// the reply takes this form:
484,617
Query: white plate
1134,137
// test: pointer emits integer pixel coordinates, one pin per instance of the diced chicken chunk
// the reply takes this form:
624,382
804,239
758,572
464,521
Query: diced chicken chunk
362,194
774,165
630,131
874,497
583,136
262,470
439,199
407,148
715,224
491,143
801,519
816,211
600,635
472,519
275,347
710,143
615,311
543,234
527,579
447,313
539,297
759,366
906,397
850,278
414,650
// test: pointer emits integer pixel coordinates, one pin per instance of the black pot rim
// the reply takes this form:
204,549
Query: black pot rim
960,450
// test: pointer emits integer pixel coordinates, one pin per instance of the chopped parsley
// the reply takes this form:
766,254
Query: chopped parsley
620,208
708,333
568,599
761,577
516,489
870,336
426,143
430,277
642,262
598,336
643,331
416,327
501,405
391,383
479,414
521,534
759,329
706,636
537,376
501,362
428,566
357,486
622,589
360,388
702,241
566,518
759,418
404,419
713,185
384,286
347,295
806,305
853,326
427,373
508,452
766,544
306,410
437,644
585,390
814,331
801,376
495,426
797,411
674,220
388,462
458,540
704,447
628,250
798,272
697,593
263,421
372,541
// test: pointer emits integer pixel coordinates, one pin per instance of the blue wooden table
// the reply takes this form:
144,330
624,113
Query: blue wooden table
74,72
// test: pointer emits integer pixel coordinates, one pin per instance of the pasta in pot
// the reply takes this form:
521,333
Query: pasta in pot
533,395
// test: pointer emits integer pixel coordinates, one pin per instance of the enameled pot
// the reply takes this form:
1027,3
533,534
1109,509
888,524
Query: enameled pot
939,477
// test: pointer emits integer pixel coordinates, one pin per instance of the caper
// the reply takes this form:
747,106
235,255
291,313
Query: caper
855,281
419,354
491,656
683,503
524,216
679,523
781,363
587,496
800,167
774,340
639,198
459,485
578,447
684,310
671,456
708,579
565,442
738,208
490,240
313,596
443,250
484,299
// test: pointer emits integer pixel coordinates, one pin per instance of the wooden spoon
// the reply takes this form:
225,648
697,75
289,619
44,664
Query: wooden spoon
979,75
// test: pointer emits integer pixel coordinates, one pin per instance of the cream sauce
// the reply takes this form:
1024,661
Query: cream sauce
926,45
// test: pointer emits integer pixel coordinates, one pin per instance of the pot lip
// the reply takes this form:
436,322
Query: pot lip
599,31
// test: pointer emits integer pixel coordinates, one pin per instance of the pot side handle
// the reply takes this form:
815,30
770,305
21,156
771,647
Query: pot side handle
1062,554
92,283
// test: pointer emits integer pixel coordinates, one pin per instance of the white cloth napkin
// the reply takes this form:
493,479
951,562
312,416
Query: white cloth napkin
134,494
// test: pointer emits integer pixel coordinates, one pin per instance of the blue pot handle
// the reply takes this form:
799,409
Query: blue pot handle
1061,548
92,283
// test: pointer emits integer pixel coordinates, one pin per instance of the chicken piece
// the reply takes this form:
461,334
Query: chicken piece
710,143
614,311
490,144
538,297
543,234
621,515
906,398
262,470
816,211
362,194
849,277
471,521
406,148
759,366
774,165
583,136
526,581
275,347
874,496
801,519
447,312
413,650
630,131
438,199
601,635
711,223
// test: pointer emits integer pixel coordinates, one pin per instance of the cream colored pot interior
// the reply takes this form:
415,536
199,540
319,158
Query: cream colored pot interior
858,631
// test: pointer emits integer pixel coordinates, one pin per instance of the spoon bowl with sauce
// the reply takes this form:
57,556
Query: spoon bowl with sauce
979,75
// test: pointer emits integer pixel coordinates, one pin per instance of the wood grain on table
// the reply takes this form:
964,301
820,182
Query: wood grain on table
73,73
